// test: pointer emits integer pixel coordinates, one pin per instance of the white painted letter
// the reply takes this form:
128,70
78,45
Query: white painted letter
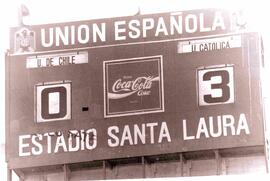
161,27
139,133
186,137
72,34
191,18
126,136
219,127
174,25
117,30
218,21
73,134
101,33
242,125
91,139
228,121
134,28
23,145
148,24
60,142
202,28
164,133
115,141
49,142
83,39
152,136
60,35
38,149
202,128
43,38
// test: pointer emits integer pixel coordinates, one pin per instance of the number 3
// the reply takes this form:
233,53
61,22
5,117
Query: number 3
216,86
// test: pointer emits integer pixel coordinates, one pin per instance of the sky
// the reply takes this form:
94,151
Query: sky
54,11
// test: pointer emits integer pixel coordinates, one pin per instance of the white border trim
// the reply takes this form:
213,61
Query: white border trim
122,44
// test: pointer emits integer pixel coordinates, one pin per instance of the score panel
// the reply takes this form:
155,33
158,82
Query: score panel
53,102
215,85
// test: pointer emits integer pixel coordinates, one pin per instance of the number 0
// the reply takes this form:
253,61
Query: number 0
53,102
48,104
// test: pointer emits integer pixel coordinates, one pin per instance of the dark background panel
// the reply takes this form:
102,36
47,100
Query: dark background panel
180,93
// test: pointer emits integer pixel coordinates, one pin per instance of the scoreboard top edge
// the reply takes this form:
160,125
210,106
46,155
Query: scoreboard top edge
137,29
200,10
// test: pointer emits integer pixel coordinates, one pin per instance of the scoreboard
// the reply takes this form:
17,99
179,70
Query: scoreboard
131,86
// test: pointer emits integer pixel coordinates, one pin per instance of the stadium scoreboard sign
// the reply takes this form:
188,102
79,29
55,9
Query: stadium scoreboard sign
131,86
116,31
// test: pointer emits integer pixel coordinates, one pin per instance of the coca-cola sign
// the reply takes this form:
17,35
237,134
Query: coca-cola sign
133,86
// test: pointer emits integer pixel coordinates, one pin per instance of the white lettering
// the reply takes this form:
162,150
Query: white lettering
148,24
202,25
23,145
164,133
101,33
38,149
242,125
49,142
83,34
139,134
186,137
174,25
219,127
60,142
228,122
91,141
113,141
134,27
73,134
191,23
151,127
59,35
43,37
72,35
218,21
126,136
202,129
161,27
118,30
82,137
225,125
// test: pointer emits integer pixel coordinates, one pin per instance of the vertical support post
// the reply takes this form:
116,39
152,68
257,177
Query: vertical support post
182,164
9,174
20,174
189,168
104,169
7,111
143,167
217,157
66,172
266,154
224,166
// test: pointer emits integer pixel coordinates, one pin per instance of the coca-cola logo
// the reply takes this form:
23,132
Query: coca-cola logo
133,86
122,88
